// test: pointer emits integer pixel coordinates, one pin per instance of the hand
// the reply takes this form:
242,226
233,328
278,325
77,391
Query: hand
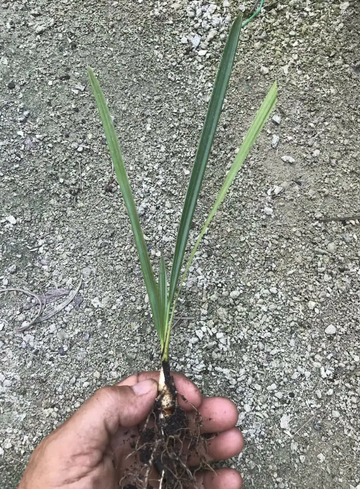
90,450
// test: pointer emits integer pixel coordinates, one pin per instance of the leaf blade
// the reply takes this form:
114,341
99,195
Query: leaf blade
202,155
163,300
120,171
258,123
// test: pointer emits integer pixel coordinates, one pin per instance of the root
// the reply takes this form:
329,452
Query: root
165,445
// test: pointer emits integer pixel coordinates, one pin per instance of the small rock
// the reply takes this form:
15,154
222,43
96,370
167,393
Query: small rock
311,305
11,85
321,457
288,159
195,41
285,422
199,334
264,70
40,28
12,269
97,374
275,141
61,351
276,119
222,313
212,33
268,211
331,247
330,330
234,294
11,220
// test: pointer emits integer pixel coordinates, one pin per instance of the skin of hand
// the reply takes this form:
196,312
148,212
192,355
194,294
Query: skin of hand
92,448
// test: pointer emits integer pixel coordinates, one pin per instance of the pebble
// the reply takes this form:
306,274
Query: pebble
11,220
199,334
275,141
330,330
288,159
12,269
331,247
268,211
11,85
264,70
97,374
276,118
234,294
285,422
311,305
195,41
222,313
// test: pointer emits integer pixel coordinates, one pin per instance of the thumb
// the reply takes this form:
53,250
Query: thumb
111,407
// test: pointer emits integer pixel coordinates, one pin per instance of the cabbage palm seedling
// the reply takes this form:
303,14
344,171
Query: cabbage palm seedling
163,293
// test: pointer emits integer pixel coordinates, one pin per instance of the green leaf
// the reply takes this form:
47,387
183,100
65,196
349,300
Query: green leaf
202,155
163,300
115,152
255,128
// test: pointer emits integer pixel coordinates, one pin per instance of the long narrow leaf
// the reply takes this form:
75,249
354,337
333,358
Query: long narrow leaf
203,151
255,128
163,300
115,152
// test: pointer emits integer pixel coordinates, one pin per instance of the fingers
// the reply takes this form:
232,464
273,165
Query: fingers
221,479
110,408
217,414
225,445
221,447
185,388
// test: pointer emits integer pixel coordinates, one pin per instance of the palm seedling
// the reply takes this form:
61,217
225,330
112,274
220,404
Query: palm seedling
163,293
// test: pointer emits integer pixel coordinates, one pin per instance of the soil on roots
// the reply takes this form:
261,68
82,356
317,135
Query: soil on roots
165,445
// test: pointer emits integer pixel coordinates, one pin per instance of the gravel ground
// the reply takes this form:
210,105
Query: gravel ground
270,313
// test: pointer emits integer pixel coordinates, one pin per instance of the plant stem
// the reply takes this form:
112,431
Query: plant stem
166,391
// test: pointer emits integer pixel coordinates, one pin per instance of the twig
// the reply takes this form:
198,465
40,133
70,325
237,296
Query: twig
61,306
303,425
181,318
31,294
339,219
39,318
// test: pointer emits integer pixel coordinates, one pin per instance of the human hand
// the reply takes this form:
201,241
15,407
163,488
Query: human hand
92,449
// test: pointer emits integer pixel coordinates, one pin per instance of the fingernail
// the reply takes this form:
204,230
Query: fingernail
143,387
